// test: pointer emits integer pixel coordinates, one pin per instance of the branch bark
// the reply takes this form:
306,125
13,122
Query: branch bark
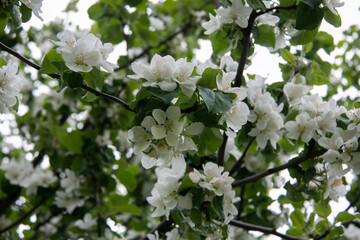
241,159
291,163
57,76
265,230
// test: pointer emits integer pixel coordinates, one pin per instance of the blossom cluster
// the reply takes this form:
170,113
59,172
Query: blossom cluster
69,196
9,86
23,174
83,51
162,136
167,74
317,120
266,114
214,180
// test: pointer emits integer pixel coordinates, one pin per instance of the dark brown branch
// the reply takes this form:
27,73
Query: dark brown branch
108,96
38,67
27,214
291,163
241,159
353,202
183,30
245,48
265,230
242,201
221,151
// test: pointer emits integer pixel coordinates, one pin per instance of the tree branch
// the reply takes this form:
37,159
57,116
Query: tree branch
221,151
183,30
27,214
241,159
57,76
265,230
291,163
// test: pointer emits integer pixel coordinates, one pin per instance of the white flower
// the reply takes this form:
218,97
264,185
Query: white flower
105,50
352,232
173,235
268,19
294,92
16,171
35,6
195,176
156,23
84,54
38,177
68,200
159,73
229,208
237,116
168,126
212,25
354,116
154,236
182,76
332,4
186,143
141,135
303,127
335,189
9,85
86,223
71,182
237,13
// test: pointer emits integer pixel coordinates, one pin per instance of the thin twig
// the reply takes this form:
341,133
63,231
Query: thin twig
241,159
265,230
291,163
28,213
353,202
89,89
221,152
242,201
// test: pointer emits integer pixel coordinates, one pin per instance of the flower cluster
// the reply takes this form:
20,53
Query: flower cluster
83,51
332,4
9,86
69,196
317,120
164,196
162,135
35,6
218,183
166,73
266,114
22,173
237,13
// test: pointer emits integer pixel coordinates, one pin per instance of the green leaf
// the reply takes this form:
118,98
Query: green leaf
287,56
208,78
16,106
303,37
127,178
323,209
344,217
217,204
312,3
16,16
25,13
94,79
309,174
307,17
198,197
72,141
196,216
257,4
167,97
47,66
72,79
130,208
186,184
210,141
3,22
265,35
297,218
216,102
292,193
97,11
332,18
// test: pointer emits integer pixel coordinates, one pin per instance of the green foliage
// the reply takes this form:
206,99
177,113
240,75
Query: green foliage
216,101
